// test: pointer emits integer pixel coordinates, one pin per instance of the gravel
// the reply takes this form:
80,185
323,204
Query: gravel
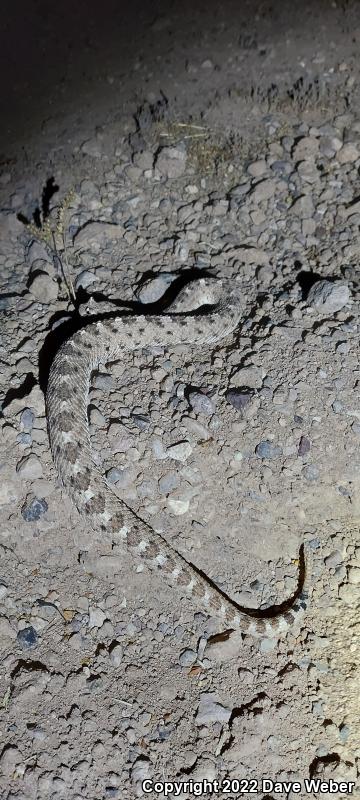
327,297
235,452
180,451
34,509
201,403
268,450
27,637
29,467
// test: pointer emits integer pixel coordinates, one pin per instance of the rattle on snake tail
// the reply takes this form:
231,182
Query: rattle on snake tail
67,400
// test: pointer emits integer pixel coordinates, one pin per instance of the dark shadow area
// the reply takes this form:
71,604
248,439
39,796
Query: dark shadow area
89,58
20,391
306,280
315,768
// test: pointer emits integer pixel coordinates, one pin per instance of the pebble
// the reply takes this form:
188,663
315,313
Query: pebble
168,482
347,154
96,234
114,475
187,658
346,593
151,291
180,451
257,168
328,297
60,321
207,64
8,492
142,421
158,449
201,403
304,446
33,510
239,399
85,279
37,252
24,439
337,406
27,419
354,575
181,246
171,161
44,288
9,760
200,432
306,148
29,467
303,206
264,190
140,770
252,255
334,559
311,472
308,172
281,168
329,145
27,637
96,417
103,381
223,651
97,617
178,505
247,377
267,645
268,450
3,590
116,654
211,710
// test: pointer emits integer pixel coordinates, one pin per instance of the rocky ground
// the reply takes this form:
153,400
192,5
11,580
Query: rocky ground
237,153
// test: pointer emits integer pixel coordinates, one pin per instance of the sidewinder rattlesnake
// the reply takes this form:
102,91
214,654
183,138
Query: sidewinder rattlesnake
67,398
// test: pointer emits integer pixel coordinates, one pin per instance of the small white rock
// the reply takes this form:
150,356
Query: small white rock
178,505
264,190
251,376
8,493
96,617
3,591
257,168
328,297
180,451
211,710
354,575
116,655
44,288
29,468
97,418
348,154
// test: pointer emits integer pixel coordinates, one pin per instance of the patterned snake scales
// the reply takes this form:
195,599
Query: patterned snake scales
67,399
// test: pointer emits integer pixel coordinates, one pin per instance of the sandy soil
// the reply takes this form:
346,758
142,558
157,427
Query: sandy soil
156,141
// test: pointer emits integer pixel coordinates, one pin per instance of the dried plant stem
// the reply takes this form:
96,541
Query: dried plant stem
66,274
